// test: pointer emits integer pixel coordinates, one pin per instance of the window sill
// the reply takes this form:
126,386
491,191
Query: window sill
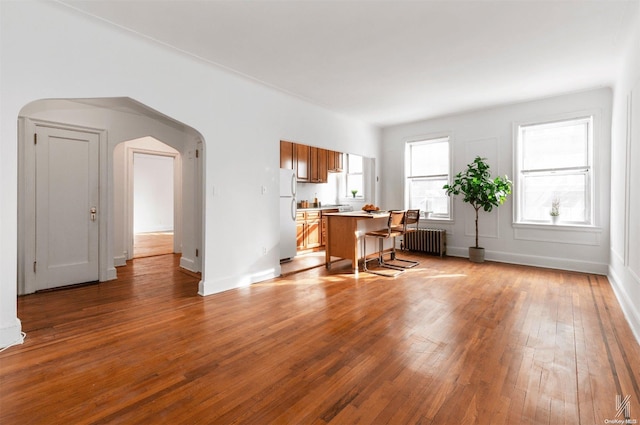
559,226
558,233
438,220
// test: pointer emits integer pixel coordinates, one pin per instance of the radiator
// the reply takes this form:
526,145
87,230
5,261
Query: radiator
432,241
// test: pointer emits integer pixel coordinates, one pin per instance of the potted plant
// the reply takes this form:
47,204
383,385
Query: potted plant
480,191
555,210
353,192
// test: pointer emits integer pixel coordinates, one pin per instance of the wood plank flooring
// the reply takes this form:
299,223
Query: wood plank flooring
303,262
448,342
151,244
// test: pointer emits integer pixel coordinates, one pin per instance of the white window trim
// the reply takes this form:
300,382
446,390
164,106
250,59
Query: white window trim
359,196
592,194
423,138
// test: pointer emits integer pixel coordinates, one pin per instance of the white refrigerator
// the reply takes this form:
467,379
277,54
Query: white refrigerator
288,206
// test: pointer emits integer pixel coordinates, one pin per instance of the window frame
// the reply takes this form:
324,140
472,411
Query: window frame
408,177
347,194
588,170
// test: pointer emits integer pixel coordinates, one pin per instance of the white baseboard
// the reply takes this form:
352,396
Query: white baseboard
120,261
213,286
11,334
535,261
629,309
112,274
188,264
109,274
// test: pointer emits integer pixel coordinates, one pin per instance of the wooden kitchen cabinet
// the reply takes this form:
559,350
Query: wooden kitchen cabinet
318,165
308,230
334,161
323,225
300,233
302,162
287,155
323,166
311,164
313,229
339,156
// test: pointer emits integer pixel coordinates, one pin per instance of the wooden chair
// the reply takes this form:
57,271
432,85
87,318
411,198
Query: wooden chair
395,220
410,224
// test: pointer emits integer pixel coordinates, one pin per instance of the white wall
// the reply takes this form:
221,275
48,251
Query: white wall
152,193
122,157
50,51
624,270
489,133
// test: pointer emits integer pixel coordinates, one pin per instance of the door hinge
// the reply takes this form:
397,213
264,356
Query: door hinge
35,138
197,153
197,252
34,266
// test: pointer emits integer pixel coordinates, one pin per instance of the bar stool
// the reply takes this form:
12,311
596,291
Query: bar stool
395,219
411,218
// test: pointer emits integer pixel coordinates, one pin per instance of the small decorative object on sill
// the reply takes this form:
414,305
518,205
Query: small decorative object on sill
353,192
555,210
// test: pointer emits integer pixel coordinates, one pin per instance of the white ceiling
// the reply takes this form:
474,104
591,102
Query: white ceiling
389,62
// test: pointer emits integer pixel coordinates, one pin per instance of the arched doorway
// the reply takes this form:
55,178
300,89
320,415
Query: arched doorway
154,197
113,121
154,187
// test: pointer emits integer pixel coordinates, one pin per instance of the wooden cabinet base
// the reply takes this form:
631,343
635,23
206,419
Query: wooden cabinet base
309,233
344,231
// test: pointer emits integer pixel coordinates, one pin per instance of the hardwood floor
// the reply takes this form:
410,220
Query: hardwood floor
303,262
151,244
448,342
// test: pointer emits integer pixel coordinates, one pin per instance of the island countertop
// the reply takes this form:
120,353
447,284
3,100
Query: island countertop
362,214
344,233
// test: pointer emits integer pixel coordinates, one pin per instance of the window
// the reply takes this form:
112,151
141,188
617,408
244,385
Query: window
555,165
427,169
355,180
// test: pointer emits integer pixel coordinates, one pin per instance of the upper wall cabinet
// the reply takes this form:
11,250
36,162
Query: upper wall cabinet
302,162
287,155
311,164
334,161
318,165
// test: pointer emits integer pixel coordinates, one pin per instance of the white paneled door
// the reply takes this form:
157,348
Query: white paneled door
67,210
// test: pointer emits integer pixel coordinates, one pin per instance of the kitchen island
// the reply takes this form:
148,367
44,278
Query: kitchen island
344,231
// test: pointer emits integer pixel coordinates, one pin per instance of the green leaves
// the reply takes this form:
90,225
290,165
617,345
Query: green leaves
478,188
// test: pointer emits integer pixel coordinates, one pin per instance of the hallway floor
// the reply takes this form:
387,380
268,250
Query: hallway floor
151,244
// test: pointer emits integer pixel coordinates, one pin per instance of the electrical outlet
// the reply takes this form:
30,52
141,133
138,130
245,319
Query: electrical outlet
264,250
263,189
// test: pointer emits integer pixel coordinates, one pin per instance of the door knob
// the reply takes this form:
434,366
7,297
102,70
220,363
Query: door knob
93,213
